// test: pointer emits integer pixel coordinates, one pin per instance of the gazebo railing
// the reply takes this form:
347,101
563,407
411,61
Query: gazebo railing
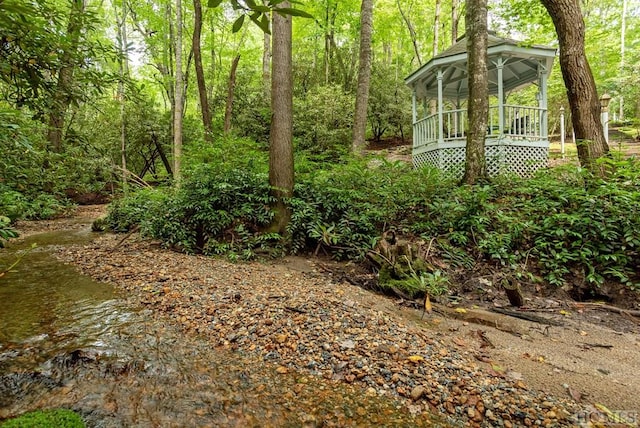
520,123
425,131
524,122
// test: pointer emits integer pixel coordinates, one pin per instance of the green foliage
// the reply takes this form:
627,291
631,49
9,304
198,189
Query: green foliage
323,118
55,418
6,231
562,224
216,210
389,110
345,209
34,182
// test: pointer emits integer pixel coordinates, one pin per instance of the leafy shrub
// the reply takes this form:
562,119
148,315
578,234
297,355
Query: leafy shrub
6,231
345,209
214,211
126,213
563,222
56,418
322,122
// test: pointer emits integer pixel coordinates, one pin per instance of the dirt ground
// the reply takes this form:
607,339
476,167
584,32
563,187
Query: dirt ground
584,354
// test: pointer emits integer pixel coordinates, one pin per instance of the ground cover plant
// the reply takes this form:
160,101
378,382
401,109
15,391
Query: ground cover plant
55,418
563,227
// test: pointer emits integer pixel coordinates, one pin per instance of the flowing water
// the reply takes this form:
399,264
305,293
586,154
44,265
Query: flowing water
68,341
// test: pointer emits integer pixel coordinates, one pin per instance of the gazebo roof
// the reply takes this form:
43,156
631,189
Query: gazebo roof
520,68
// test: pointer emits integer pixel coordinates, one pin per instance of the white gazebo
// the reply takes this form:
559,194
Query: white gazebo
517,138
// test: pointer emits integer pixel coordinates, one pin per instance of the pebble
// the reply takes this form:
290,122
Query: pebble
302,324
417,392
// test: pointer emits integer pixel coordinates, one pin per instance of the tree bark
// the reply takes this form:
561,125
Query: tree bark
178,99
62,95
436,28
266,65
281,176
578,79
478,107
202,87
230,91
364,76
455,20
124,74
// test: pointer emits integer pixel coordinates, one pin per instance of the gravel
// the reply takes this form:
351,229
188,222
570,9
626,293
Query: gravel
305,322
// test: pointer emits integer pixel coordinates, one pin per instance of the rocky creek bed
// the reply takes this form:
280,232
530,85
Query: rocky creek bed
297,320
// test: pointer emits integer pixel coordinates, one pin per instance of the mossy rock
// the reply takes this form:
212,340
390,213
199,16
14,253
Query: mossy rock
54,418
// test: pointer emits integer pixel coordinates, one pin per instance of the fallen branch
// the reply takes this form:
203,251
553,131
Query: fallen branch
527,316
595,345
131,232
609,308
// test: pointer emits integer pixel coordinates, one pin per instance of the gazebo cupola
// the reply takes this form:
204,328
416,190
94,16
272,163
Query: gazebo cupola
517,135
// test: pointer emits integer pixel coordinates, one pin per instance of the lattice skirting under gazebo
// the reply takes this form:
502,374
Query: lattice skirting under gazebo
520,160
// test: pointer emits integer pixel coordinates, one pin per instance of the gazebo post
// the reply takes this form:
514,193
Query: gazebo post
414,111
499,66
542,99
440,107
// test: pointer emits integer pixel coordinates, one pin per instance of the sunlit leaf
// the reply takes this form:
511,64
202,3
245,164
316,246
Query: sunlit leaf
293,12
237,25
214,3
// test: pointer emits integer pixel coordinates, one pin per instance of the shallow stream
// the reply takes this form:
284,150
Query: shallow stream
68,341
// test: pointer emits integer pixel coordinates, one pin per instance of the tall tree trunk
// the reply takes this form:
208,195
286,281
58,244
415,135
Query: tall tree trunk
578,79
412,33
623,32
266,64
364,76
455,20
478,107
230,91
178,101
436,28
281,136
62,94
124,74
202,87
329,43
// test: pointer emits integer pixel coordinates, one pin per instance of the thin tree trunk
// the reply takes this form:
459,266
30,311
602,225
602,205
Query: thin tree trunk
364,77
178,102
230,91
202,87
478,107
436,28
455,20
163,156
578,79
266,64
623,32
62,94
412,33
124,73
281,176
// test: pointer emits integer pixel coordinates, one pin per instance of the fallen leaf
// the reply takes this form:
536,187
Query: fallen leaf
282,370
461,310
497,368
427,304
565,313
583,333
459,341
415,358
